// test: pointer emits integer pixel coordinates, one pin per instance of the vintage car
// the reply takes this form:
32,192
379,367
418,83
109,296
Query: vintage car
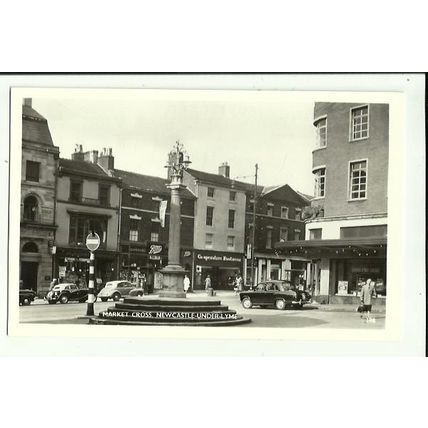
280,294
26,296
117,289
67,292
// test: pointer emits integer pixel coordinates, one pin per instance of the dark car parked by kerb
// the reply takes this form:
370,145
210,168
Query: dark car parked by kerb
67,292
280,294
26,296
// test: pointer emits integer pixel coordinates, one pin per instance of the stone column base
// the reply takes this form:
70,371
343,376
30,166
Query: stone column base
173,276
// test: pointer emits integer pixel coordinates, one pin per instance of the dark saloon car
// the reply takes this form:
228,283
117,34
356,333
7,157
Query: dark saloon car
26,297
67,292
275,293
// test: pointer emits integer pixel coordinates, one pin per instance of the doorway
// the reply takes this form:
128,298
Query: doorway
29,272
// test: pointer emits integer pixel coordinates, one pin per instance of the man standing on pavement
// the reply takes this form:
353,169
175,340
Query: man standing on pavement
207,282
367,291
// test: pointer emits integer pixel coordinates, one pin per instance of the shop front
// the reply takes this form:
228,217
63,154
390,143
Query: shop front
222,267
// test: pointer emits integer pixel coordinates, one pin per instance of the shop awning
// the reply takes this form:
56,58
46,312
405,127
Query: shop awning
334,248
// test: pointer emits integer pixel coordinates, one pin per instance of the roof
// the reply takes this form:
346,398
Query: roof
82,168
304,196
147,182
35,127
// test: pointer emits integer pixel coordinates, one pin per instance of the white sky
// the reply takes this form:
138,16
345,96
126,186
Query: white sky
221,126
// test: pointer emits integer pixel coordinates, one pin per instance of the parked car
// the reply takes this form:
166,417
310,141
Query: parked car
26,296
280,294
67,292
117,289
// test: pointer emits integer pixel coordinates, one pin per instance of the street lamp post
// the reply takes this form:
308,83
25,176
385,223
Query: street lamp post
173,273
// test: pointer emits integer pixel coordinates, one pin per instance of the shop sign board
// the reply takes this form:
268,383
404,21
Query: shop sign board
218,258
92,241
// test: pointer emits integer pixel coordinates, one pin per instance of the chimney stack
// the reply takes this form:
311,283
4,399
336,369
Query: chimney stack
28,102
224,170
78,153
106,159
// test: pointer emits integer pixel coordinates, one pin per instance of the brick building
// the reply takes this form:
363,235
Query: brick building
38,190
144,233
346,227
278,219
87,199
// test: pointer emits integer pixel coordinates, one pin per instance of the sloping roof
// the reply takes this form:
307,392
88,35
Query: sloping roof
303,195
35,127
147,182
220,180
82,167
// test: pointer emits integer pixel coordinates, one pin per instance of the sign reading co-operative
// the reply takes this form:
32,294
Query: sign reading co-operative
217,258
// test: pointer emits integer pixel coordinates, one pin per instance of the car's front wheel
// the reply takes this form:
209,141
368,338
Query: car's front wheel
280,304
116,297
64,299
104,299
247,303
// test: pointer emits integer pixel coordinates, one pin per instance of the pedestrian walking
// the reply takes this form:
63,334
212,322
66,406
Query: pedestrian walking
53,283
238,283
367,292
207,282
186,283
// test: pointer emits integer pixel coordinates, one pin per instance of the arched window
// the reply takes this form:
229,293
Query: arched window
30,208
30,247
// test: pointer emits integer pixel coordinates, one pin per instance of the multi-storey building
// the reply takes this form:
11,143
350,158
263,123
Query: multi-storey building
87,200
144,227
346,228
219,237
278,217
38,187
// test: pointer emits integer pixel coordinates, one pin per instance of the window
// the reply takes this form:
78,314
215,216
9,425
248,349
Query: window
298,213
154,236
76,191
319,191
104,194
321,140
296,234
315,234
270,209
358,180
208,240
31,208
30,247
232,196
364,232
81,226
32,171
210,192
230,242
133,230
360,123
210,215
283,234
269,238
231,221
284,212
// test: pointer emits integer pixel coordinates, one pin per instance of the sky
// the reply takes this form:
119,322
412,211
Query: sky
241,128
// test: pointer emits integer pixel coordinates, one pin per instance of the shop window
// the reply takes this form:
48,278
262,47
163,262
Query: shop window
32,171
321,129
319,188
209,240
210,192
284,212
76,191
210,215
315,234
359,123
31,207
269,238
283,234
230,242
270,209
358,180
231,220
232,196
104,194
